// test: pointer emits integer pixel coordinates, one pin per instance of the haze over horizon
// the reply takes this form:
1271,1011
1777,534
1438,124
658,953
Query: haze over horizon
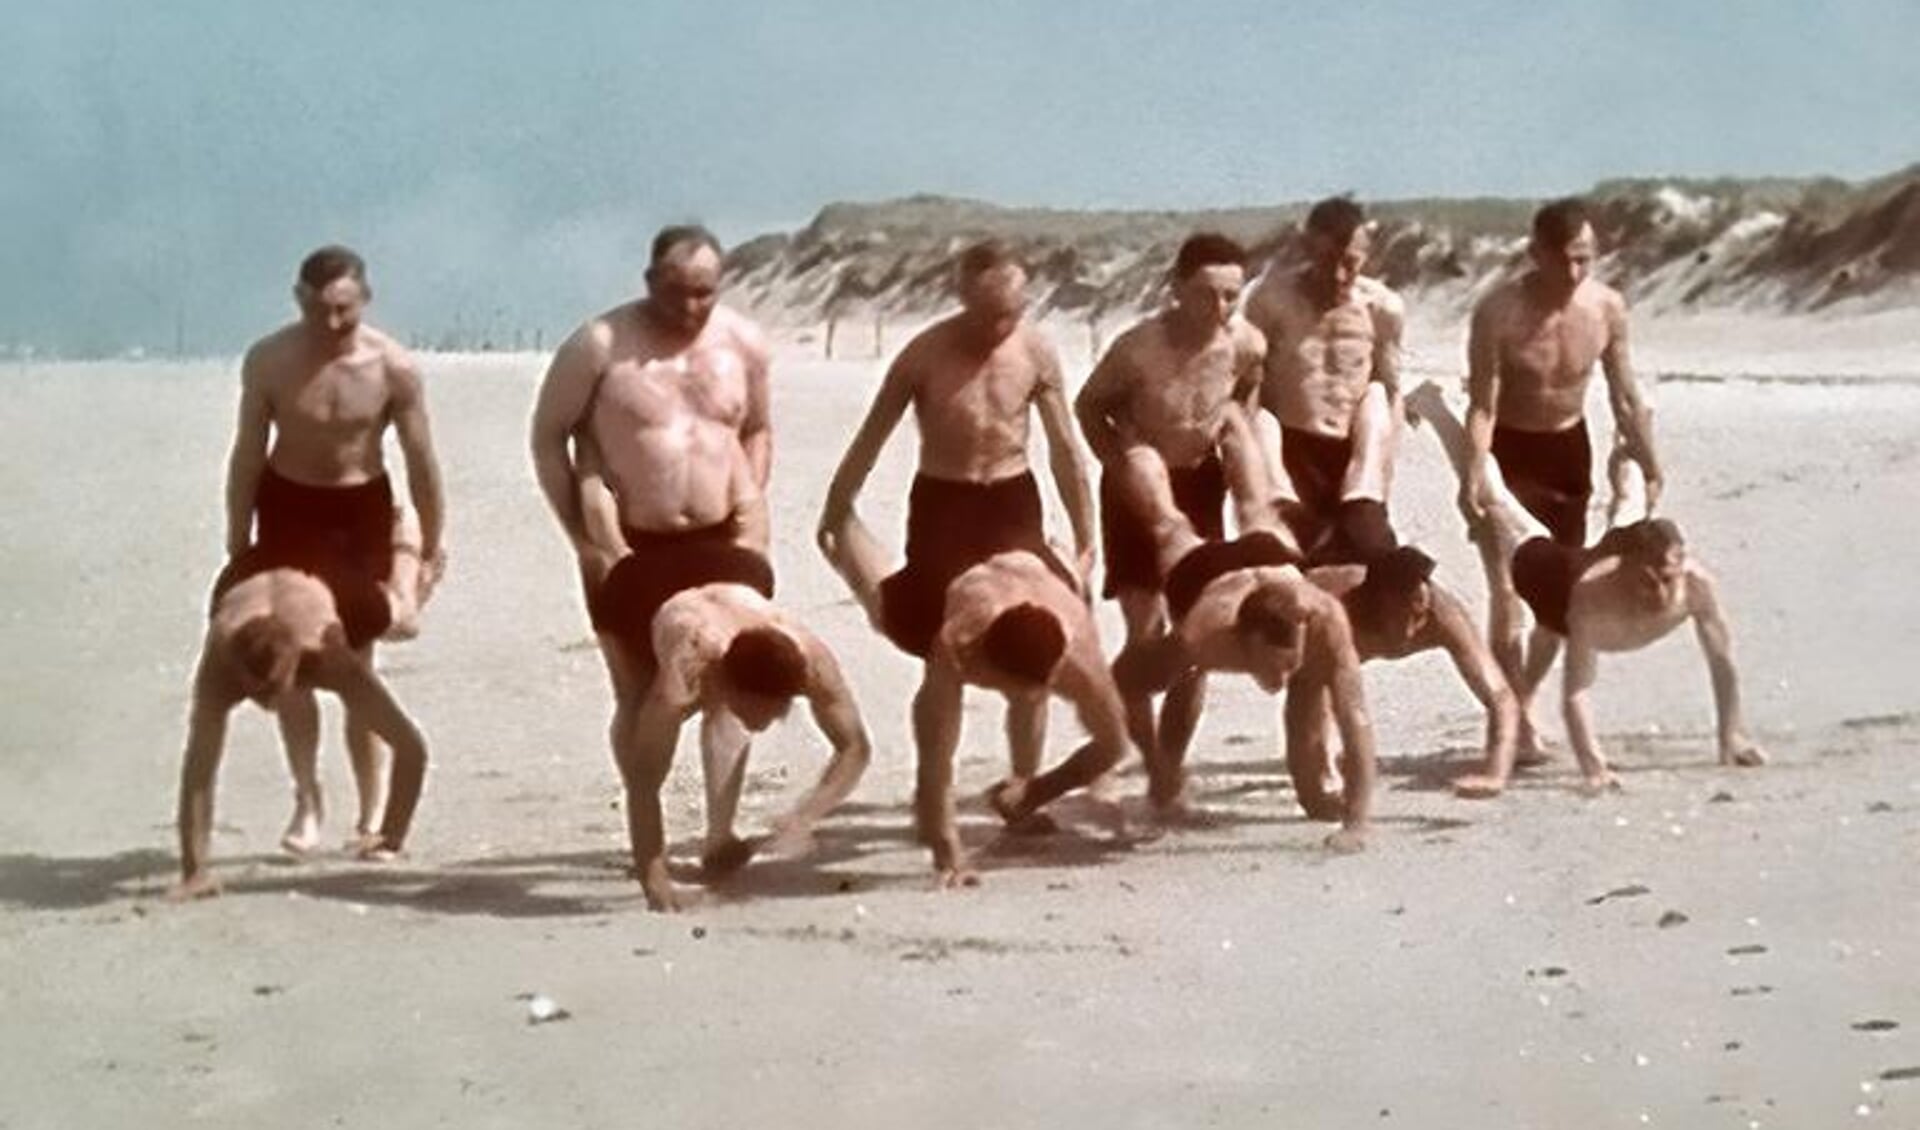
502,169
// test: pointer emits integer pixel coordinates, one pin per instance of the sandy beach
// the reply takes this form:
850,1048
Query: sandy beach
1708,948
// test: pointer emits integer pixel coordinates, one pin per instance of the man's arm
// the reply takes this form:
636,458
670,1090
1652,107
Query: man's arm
214,697
416,447
1630,416
1331,641
1249,365
1063,455
366,697
1483,391
1716,642
249,455
1389,329
756,430
558,411
1581,668
1100,398
838,717
883,415
1451,623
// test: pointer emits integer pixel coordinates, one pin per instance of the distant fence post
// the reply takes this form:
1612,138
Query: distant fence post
833,323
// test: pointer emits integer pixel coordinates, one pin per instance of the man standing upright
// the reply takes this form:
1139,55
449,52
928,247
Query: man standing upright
975,381
1333,381
1530,354
308,466
649,429
1167,383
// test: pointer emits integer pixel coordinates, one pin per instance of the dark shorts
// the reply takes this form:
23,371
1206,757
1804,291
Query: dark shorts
663,565
1212,560
1126,542
1551,474
342,535
1544,572
951,527
1331,531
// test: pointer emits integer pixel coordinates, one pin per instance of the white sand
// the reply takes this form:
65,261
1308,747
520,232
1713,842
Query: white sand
1456,975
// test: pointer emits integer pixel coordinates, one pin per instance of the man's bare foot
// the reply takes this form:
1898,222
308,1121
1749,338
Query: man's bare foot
955,876
1327,808
1743,754
1479,786
1531,749
303,831
374,848
1179,812
789,839
662,896
1599,784
726,857
1347,841
201,886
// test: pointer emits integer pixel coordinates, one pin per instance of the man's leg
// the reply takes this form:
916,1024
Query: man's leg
299,718
368,757
724,745
1376,439
936,734
1304,720
861,561
366,697
644,760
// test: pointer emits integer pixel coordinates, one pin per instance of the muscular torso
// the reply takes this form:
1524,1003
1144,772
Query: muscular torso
1319,362
1545,356
668,421
329,415
1172,397
974,413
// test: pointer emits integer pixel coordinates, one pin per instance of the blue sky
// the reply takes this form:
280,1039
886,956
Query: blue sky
167,163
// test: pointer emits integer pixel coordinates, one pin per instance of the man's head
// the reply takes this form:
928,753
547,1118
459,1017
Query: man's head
1269,636
266,659
1208,272
1339,239
331,290
1563,245
1025,644
1655,554
763,669
992,285
1395,599
683,278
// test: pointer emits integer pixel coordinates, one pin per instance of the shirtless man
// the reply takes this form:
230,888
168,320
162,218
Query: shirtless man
1397,609
1530,354
1011,624
1243,606
720,648
975,381
324,390
275,636
1333,381
664,403
1632,588
1166,382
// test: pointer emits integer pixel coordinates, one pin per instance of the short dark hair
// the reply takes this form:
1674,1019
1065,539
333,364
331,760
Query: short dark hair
671,237
986,255
267,654
767,662
1026,642
1336,218
1555,225
1647,541
1397,574
1266,616
1207,249
324,265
